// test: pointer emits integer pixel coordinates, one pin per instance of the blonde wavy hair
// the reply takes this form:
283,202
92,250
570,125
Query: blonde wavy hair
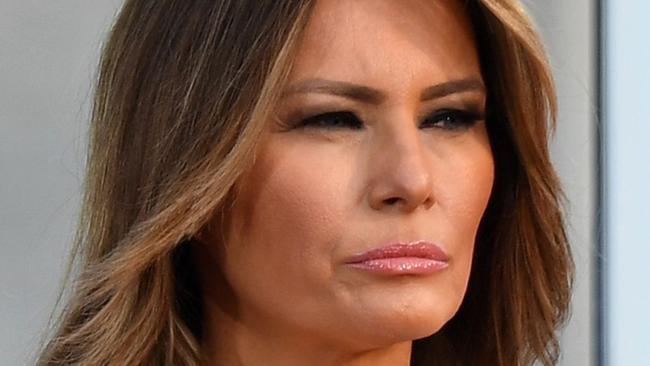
183,92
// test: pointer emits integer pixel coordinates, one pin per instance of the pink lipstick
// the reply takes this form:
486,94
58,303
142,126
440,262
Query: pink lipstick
420,257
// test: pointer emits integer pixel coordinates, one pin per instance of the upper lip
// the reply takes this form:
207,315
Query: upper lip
418,249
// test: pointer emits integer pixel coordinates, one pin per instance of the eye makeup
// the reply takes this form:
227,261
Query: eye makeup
449,119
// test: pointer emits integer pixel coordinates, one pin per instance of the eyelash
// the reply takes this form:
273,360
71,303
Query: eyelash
454,120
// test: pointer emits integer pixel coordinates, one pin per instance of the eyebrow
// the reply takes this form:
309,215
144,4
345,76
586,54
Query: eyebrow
375,96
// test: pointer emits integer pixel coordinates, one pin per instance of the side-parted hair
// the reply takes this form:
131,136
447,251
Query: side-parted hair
183,92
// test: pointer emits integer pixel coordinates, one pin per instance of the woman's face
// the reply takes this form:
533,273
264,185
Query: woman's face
379,139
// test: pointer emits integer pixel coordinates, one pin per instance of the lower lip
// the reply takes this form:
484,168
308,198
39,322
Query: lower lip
401,265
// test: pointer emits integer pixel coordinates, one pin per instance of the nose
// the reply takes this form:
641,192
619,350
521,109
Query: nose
400,171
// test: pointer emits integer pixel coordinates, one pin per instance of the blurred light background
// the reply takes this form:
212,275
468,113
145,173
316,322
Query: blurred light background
600,52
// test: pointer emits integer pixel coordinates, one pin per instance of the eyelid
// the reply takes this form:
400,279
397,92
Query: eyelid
454,119
294,116
470,113
473,111
476,109
304,122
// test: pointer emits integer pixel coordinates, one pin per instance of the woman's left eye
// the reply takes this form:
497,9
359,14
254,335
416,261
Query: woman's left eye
453,119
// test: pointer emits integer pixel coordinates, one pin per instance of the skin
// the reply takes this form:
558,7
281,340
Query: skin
276,287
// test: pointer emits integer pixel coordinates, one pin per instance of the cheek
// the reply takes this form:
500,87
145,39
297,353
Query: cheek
295,202
463,192
285,226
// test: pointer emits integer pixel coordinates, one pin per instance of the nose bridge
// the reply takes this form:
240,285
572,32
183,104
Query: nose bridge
400,168
400,142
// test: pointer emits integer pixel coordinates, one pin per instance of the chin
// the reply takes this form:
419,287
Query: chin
411,316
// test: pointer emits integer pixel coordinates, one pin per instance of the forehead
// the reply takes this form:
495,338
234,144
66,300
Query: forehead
387,43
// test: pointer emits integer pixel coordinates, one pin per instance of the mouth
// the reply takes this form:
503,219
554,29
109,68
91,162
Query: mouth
420,257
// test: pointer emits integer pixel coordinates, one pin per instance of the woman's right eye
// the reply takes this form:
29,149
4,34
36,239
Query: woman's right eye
332,120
